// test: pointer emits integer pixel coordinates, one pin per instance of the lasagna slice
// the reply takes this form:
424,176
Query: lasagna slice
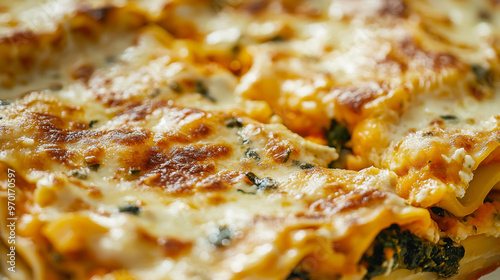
139,185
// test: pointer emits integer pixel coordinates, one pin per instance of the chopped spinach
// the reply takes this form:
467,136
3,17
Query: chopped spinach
265,183
438,211
411,252
337,135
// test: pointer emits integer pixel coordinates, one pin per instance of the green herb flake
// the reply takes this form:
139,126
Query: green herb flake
79,174
5,103
221,238
337,135
92,123
234,122
175,87
245,192
305,166
130,208
94,167
449,117
154,92
483,76
265,183
250,153
57,257
134,171
278,38
202,89
287,156
236,49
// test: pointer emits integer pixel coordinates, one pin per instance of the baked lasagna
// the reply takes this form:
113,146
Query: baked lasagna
258,139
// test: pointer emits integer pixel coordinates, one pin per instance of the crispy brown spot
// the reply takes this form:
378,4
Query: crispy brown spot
59,38
396,8
437,122
136,111
313,216
476,93
440,169
187,135
179,114
84,72
178,169
172,247
352,200
22,37
253,7
432,60
392,64
280,151
98,14
355,98
127,137
213,185
58,154
94,192
220,181
77,205
200,130
110,99
216,199
50,131
463,141
5,129
78,125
